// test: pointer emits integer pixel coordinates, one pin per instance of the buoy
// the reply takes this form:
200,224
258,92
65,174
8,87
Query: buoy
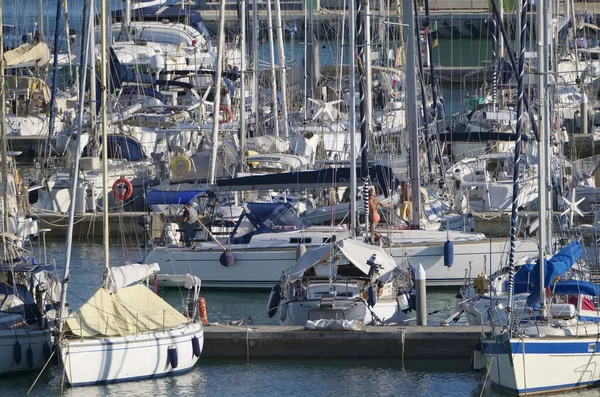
180,165
274,300
29,355
17,352
155,287
300,250
202,310
196,346
283,309
227,259
172,354
47,351
448,253
406,210
122,189
412,295
371,300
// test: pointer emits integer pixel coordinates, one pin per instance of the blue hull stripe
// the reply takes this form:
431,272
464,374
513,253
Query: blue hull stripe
558,347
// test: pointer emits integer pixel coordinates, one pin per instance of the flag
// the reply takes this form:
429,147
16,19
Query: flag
399,60
434,43
431,28
434,37
427,29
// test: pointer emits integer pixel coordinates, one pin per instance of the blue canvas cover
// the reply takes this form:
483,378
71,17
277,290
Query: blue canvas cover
527,278
154,196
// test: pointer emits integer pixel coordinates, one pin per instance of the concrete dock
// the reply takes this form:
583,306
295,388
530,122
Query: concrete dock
279,342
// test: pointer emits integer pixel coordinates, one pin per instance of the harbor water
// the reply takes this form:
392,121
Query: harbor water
385,377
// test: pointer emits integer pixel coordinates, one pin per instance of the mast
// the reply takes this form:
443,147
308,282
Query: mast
362,82
54,77
519,130
255,87
412,123
85,47
282,71
67,30
41,22
242,84
543,149
3,127
217,100
274,105
104,117
352,113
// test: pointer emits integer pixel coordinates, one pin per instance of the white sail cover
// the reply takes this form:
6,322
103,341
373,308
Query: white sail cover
130,310
122,276
28,53
355,251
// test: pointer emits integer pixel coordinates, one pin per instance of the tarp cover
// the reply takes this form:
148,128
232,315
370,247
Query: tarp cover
128,311
355,251
122,276
38,53
527,278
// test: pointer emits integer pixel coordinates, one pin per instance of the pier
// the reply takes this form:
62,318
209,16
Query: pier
287,342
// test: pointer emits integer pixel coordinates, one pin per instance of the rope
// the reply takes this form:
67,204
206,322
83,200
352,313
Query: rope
486,377
41,372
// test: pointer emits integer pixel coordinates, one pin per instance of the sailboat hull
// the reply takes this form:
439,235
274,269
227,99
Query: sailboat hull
35,340
261,267
298,312
134,357
543,365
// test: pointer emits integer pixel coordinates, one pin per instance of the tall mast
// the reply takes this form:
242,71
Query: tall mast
352,112
85,47
41,22
54,77
217,101
242,84
255,88
412,118
3,126
519,130
104,117
543,149
282,71
274,105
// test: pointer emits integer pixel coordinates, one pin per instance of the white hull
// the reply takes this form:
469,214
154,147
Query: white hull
262,267
34,339
118,359
300,311
550,364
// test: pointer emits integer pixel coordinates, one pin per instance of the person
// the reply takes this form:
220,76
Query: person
189,226
374,217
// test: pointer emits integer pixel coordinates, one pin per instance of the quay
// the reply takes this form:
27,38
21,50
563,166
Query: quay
89,225
285,342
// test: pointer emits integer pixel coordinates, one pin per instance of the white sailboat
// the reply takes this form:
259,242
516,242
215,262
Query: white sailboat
124,331
550,355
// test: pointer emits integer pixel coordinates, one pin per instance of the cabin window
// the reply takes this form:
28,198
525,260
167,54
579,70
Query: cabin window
244,227
300,240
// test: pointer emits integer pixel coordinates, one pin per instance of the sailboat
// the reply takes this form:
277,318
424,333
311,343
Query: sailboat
124,331
548,355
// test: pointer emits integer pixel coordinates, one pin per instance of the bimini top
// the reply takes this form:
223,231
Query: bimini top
356,252
259,218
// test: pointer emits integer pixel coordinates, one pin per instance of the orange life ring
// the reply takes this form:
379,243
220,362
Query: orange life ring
228,114
117,189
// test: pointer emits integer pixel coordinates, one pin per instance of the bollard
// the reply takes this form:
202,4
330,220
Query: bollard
421,280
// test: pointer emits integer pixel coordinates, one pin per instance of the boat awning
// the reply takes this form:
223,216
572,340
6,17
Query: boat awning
122,276
154,196
130,310
355,251
480,136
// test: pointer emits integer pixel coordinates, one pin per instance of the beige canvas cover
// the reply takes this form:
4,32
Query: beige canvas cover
128,311
38,53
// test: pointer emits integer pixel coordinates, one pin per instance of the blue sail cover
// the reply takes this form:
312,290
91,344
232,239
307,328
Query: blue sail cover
576,287
527,278
154,196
